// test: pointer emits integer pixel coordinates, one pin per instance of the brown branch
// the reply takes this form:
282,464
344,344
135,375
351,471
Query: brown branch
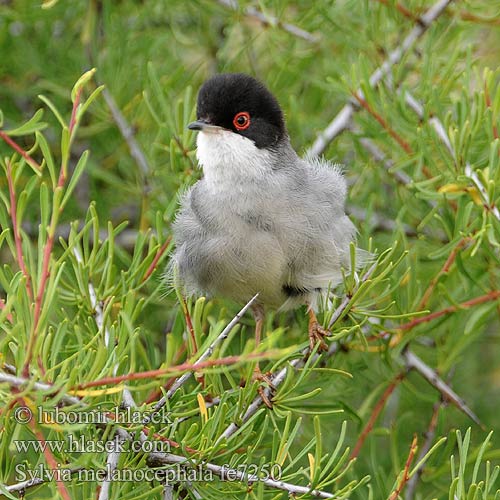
376,412
489,105
51,461
20,150
189,324
180,381
17,234
47,251
385,125
402,9
157,257
493,295
444,270
404,479
191,367
468,16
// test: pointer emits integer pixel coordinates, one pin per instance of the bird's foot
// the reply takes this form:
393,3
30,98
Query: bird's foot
264,392
317,333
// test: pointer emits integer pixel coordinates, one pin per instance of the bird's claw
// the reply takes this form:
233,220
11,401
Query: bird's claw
317,334
266,379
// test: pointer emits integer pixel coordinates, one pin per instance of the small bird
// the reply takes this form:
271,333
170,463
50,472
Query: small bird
262,219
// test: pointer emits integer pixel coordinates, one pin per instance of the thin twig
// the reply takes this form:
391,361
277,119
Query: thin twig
20,150
380,156
446,267
162,372
50,459
429,438
22,486
376,412
402,9
406,471
342,120
15,228
47,249
384,124
271,21
156,259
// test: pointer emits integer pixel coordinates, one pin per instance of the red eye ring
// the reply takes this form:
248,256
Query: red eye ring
241,120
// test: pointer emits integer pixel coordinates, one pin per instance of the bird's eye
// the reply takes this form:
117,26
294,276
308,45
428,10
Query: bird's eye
241,121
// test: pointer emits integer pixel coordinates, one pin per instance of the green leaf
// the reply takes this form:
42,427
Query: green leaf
31,126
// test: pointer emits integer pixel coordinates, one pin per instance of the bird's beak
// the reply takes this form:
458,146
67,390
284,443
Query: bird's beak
201,125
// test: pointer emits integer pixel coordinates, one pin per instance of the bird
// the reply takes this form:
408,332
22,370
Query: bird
261,220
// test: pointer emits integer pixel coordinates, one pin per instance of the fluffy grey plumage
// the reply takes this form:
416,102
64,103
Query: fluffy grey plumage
261,219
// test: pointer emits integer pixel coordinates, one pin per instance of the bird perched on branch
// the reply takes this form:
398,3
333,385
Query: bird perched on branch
262,219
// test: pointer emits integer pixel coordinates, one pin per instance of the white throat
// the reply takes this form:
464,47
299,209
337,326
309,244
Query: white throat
229,158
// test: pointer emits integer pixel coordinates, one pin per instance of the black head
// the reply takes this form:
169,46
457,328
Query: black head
242,104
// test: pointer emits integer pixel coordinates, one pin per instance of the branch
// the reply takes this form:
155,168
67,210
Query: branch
224,473
402,9
270,21
128,134
162,372
491,296
413,362
30,483
343,118
20,382
384,124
